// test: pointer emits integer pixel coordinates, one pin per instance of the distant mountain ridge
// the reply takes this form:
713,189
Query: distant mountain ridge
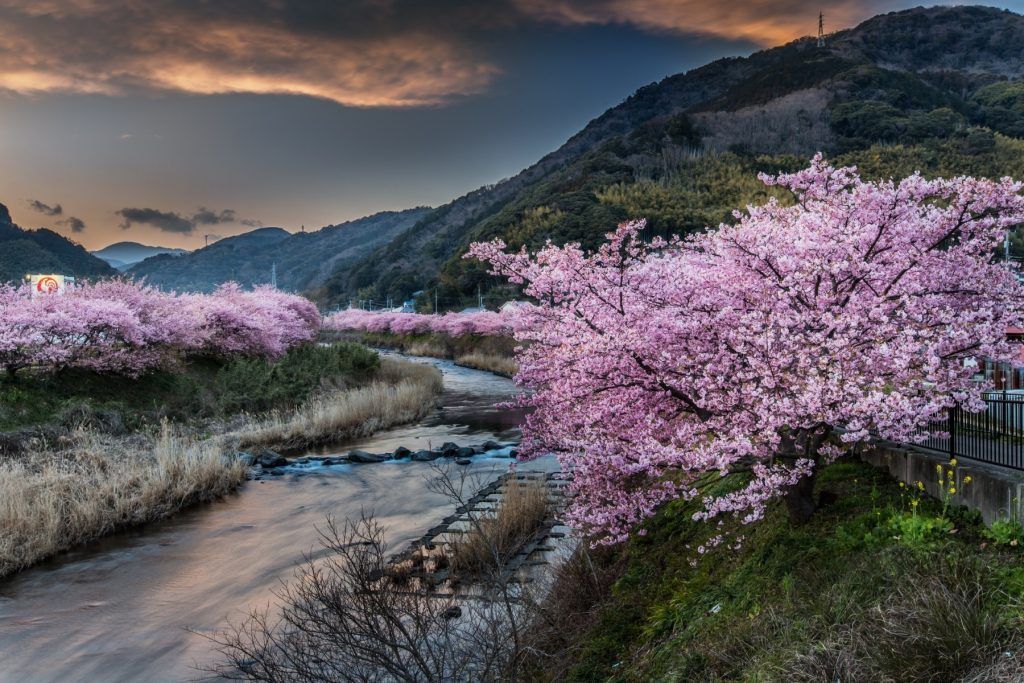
122,255
936,89
302,260
43,251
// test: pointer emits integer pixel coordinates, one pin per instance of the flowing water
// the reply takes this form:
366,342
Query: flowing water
130,607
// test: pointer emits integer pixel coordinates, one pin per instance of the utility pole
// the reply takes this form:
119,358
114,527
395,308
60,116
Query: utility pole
821,29
273,274
479,297
435,299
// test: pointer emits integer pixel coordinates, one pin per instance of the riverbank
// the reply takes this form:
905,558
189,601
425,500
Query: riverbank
492,353
880,584
61,486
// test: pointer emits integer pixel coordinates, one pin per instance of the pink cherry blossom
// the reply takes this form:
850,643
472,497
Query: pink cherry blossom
768,346
128,328
484,323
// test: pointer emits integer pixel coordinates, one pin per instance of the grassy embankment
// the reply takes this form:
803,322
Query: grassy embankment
490,353
874,588
94,454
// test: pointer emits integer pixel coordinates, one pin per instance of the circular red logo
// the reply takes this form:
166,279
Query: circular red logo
47,285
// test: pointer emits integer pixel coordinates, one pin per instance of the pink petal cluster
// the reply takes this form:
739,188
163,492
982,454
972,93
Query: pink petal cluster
768,346
123,327
485,323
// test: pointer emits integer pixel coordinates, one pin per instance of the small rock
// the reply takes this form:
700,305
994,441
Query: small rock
269,458
462,461
514,453
401,452
449,449
490,446
363,457
247,459
453,612
465,453
425,456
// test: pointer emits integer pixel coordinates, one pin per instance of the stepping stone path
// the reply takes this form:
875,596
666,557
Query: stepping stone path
426,558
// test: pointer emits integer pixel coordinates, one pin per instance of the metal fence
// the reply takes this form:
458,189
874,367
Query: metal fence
994,436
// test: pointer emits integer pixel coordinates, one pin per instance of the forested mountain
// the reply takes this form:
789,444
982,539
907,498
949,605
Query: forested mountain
43,251
123,255
935,90
303,260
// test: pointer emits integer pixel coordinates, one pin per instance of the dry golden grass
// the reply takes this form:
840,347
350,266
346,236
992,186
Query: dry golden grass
494,539
403,392
499,365
50,501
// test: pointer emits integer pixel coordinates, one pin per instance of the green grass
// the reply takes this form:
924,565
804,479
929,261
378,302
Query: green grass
869,589
202,387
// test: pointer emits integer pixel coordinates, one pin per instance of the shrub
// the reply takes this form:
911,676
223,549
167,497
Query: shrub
1004,532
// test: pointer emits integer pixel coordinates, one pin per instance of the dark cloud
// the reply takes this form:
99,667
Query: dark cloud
206,216
45,209
170,221
76,224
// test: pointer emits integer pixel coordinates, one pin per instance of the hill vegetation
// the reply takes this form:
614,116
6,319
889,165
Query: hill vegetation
43,251
303,260
933,89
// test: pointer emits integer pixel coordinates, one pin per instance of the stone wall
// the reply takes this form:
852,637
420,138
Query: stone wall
998,493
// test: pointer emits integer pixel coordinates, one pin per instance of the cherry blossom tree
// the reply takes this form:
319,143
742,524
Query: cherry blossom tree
770,346
118,326
484,323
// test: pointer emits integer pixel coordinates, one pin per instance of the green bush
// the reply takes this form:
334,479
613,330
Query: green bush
1004,532
256,385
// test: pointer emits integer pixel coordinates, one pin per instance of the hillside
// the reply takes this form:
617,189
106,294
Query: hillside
302,259
43,251
122,255
930,89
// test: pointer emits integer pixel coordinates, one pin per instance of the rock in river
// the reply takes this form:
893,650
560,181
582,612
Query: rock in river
364,457
425,456
401,452
269,458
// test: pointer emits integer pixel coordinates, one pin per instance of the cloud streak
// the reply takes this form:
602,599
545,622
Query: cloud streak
76,224
362,53
763,22
174,222
44,208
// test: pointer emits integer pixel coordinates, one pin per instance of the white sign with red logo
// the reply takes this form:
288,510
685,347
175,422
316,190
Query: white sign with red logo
43,285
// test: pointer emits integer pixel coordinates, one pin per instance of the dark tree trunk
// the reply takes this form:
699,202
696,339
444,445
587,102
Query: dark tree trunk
12,373
800,499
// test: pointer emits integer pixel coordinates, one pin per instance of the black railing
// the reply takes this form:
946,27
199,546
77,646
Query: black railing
994,436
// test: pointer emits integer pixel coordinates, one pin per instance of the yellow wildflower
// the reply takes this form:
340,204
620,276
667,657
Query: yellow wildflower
967,479
938,468
914,503
920,485
903,485
953,462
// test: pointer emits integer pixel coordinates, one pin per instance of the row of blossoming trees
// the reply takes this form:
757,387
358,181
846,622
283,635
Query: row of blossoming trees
126,328
484,323
770,346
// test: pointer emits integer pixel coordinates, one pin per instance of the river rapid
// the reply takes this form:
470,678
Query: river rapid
133,606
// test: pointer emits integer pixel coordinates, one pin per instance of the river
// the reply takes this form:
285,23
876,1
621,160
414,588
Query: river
124,608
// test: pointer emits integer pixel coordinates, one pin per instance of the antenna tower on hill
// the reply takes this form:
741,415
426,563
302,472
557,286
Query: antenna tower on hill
821,29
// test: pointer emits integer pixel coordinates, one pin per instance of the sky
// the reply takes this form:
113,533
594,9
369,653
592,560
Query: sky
163,121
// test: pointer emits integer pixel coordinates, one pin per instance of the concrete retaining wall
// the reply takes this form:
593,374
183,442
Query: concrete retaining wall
996,492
